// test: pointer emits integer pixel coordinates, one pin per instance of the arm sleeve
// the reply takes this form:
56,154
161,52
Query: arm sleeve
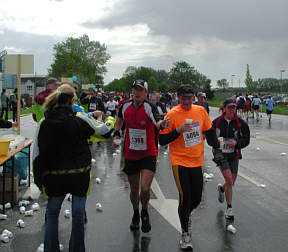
120,111
155,113
163,107
212,138
84,100
244,138
169,137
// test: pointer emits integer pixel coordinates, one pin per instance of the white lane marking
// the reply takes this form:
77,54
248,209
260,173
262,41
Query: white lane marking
168,208
251,180
271,140
157,190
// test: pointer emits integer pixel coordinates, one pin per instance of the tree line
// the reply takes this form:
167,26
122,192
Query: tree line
87,60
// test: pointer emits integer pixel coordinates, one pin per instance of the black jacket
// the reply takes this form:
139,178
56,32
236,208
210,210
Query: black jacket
98,104
63,163
237,129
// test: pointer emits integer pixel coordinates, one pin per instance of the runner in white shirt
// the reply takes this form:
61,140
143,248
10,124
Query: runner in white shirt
112,105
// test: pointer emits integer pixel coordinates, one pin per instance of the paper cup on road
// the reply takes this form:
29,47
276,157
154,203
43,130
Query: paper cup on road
23,182
99,207
98,180
40,248
3,216
24,203
257,149
35,207
4,238
67,214
283,154
20,223
8,205
29,213
7,232
22,209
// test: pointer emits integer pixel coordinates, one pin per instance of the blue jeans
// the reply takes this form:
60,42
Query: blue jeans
77,238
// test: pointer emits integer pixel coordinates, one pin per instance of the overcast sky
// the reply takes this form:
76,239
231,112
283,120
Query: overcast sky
217,37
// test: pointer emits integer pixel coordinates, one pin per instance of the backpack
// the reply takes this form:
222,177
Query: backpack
241,102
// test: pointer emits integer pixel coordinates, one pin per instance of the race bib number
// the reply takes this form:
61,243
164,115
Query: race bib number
92,106
226,148
193,137
137,139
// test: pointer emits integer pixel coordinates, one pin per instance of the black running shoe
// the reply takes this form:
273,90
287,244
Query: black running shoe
135,222
146,226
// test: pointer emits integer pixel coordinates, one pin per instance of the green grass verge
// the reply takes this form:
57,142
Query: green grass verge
23,112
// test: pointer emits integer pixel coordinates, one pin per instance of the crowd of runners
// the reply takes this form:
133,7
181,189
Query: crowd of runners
140,120
249,106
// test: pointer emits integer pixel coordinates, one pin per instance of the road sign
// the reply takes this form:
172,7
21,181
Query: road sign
12,62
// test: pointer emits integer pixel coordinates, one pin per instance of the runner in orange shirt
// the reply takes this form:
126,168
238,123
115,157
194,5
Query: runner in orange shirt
185,139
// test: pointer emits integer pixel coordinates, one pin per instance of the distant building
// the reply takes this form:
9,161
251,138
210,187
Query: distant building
31,85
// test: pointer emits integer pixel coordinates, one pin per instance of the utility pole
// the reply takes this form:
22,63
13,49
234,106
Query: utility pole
233,75
281,84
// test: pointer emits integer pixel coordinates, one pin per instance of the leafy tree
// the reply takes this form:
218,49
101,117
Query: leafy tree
152,84
223,83
182,73
249,81
163,87
80,57
129,71
208,90
162,76
116,84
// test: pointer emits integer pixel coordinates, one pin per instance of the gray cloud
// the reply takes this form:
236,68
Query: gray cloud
183,19
255,33
40,46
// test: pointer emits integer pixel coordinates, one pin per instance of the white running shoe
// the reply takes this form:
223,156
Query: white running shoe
186,242
220,193
229,213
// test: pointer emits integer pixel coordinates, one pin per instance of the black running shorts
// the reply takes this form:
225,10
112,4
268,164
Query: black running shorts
133,167
233,165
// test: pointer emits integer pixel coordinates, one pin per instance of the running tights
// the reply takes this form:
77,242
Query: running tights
189,182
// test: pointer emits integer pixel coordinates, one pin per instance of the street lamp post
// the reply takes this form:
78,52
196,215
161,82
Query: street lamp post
233,75
281,84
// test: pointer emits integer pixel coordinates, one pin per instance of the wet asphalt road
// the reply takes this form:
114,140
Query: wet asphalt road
259,202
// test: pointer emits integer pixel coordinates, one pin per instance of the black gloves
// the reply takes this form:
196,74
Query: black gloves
220,160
